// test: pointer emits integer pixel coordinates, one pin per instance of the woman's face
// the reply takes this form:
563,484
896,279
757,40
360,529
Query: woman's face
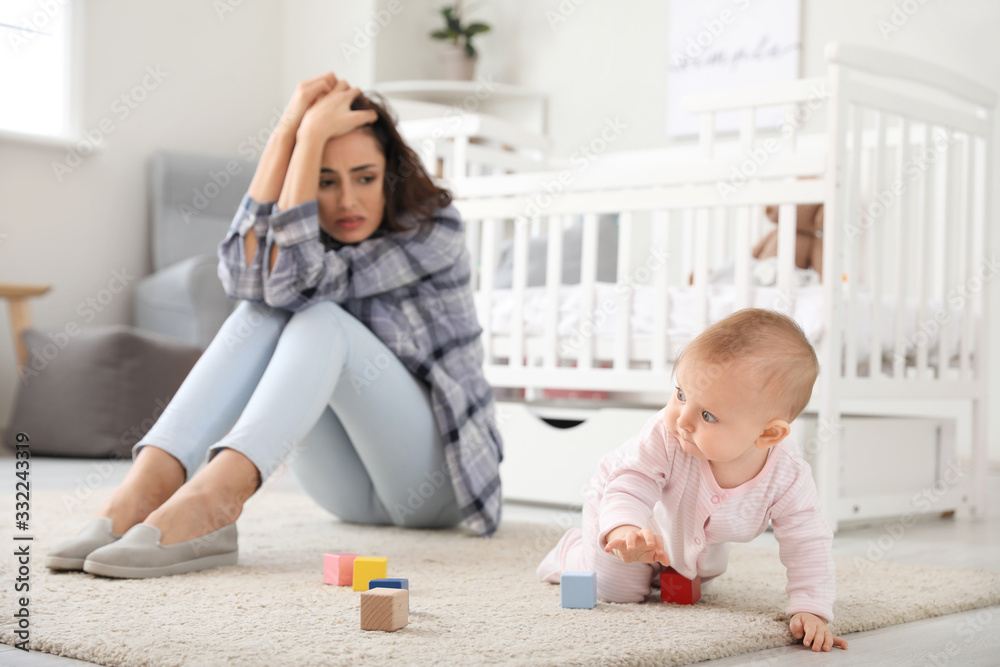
351,199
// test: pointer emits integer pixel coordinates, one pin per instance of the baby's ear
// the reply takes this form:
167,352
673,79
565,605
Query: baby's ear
774,432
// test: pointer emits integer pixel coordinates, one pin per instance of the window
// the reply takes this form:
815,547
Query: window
35,68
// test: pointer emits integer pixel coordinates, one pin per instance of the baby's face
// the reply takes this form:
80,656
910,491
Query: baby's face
715,411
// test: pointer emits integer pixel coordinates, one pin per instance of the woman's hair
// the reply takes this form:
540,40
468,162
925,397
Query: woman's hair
408,188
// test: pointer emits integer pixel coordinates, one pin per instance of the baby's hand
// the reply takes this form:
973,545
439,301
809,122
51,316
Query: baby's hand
634,545
812,630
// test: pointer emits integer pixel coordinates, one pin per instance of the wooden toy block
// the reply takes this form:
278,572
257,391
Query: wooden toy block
676,588
385,609
579,590
367,568
390,583
338,569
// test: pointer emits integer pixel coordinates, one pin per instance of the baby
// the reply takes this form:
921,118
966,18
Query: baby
709,469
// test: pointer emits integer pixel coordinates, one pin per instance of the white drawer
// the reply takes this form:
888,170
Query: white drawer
880,454
546,464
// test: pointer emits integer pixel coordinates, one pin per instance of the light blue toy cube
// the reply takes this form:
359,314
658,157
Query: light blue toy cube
579,590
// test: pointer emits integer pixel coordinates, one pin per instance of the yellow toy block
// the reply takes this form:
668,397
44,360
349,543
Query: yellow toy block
367,568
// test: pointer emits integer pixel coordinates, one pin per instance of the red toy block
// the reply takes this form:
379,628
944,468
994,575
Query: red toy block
338,569
676,588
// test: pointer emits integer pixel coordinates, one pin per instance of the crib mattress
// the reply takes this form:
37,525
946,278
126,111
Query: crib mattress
807,310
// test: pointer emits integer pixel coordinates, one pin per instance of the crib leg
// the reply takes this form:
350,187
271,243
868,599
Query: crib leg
960,427
827,452
980,459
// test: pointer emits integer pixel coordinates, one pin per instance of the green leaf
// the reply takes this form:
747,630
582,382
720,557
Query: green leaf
469,51
475,28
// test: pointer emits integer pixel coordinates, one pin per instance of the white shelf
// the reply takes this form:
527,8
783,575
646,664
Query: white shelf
447,90
522,106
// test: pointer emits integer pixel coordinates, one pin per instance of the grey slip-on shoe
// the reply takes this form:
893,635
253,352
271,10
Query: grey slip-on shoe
139,554
71,553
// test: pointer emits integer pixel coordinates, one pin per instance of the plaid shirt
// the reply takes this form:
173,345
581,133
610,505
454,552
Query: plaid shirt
411,289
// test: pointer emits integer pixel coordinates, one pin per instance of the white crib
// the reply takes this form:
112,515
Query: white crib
898,321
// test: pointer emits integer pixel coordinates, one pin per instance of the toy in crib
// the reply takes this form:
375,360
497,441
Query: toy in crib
808,237
808,250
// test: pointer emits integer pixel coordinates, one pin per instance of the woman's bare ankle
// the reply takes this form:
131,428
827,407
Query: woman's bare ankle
193,512
127,509
153,479
211,499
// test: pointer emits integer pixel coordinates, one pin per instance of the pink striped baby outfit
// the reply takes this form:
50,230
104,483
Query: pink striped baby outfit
651,481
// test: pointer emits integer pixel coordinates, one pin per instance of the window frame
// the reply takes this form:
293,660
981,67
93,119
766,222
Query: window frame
75,54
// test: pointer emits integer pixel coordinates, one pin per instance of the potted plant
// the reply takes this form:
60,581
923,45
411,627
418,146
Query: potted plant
460,58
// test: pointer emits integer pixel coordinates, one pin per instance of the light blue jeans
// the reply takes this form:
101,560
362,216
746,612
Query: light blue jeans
318,388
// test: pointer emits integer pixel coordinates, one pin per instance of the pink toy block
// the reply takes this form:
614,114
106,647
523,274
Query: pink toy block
676,588
338,569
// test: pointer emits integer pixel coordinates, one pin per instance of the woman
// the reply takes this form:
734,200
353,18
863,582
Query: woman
354,353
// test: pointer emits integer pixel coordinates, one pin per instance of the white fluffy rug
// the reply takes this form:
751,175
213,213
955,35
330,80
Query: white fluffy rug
473,601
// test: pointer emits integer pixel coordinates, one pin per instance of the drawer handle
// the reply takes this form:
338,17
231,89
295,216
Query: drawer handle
561,423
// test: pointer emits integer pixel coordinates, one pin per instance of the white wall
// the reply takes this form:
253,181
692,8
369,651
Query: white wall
221,84
599,60
318,37
599,63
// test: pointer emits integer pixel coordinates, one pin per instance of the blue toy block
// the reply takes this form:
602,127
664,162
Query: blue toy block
579,590
392,583
389,583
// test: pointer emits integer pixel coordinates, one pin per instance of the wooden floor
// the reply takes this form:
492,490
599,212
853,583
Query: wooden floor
971,638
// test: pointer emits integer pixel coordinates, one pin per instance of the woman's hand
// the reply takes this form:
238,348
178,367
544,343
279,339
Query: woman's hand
305,95
331,116
274,161
634,545
812,630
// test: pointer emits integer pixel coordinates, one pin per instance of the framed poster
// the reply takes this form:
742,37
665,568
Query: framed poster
717,44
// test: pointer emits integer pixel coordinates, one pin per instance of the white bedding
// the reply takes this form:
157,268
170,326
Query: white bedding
807,311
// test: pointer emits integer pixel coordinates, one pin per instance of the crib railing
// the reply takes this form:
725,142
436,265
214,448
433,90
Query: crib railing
908,195
904,183
696,217
690,229
910,198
